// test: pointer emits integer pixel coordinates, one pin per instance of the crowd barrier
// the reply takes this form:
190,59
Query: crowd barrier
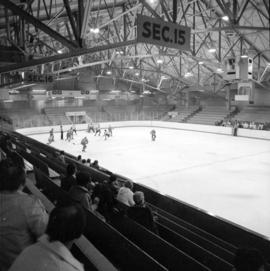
258,134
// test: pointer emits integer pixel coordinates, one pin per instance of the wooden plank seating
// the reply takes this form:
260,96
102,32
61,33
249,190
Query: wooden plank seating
197,238
218,227
158,248
118,249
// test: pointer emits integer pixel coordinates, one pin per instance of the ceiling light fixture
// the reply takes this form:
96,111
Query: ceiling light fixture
244,54
159,61
212,50
188,74
109,72
94,30
200,62
219,70
225,18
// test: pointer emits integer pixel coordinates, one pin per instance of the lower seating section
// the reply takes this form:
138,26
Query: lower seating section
254,113
209,115
187,239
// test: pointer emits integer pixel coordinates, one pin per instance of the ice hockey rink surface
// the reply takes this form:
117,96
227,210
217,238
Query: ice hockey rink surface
223,175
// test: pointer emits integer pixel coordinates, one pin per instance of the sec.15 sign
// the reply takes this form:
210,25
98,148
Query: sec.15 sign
158,32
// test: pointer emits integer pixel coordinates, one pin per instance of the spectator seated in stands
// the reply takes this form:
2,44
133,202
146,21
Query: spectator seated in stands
125,194
249,259
61,157
23,217
52,251
141,213
80,192
69,180
95,164
79,158
88,162
103,194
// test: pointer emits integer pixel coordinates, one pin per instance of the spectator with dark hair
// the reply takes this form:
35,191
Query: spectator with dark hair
80,192
79,158
23,217
84,162
61,157
88,162
104,194
125,194
141,213
52,251
248,259
69,180
95,164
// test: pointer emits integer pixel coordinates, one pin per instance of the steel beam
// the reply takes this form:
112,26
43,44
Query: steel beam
54,58
71,20
242,11
29,18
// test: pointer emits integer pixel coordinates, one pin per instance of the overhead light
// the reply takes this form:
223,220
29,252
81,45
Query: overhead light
137,73
212,50
219,70
94,30
60,51
188,74
225,18
131,67
159,61
109,72
152,3
244,54
200,62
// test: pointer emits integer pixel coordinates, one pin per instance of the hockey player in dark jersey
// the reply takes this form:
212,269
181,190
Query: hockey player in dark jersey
153,135
84,143
106,134
110,130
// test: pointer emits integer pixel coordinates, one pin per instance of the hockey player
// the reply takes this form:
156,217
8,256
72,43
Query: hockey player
106,134
110,130
51,137
84,143
90,128
153,135
98,130
61,132
74,129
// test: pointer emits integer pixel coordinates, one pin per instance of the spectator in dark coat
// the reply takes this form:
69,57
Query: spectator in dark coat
141,213
69,180
80,192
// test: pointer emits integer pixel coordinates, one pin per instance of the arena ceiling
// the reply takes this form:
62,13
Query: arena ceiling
64,36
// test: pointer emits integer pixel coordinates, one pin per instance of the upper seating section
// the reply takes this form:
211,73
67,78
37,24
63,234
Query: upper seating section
209,115
254,113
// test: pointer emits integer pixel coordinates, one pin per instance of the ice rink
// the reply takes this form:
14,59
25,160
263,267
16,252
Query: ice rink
224,175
